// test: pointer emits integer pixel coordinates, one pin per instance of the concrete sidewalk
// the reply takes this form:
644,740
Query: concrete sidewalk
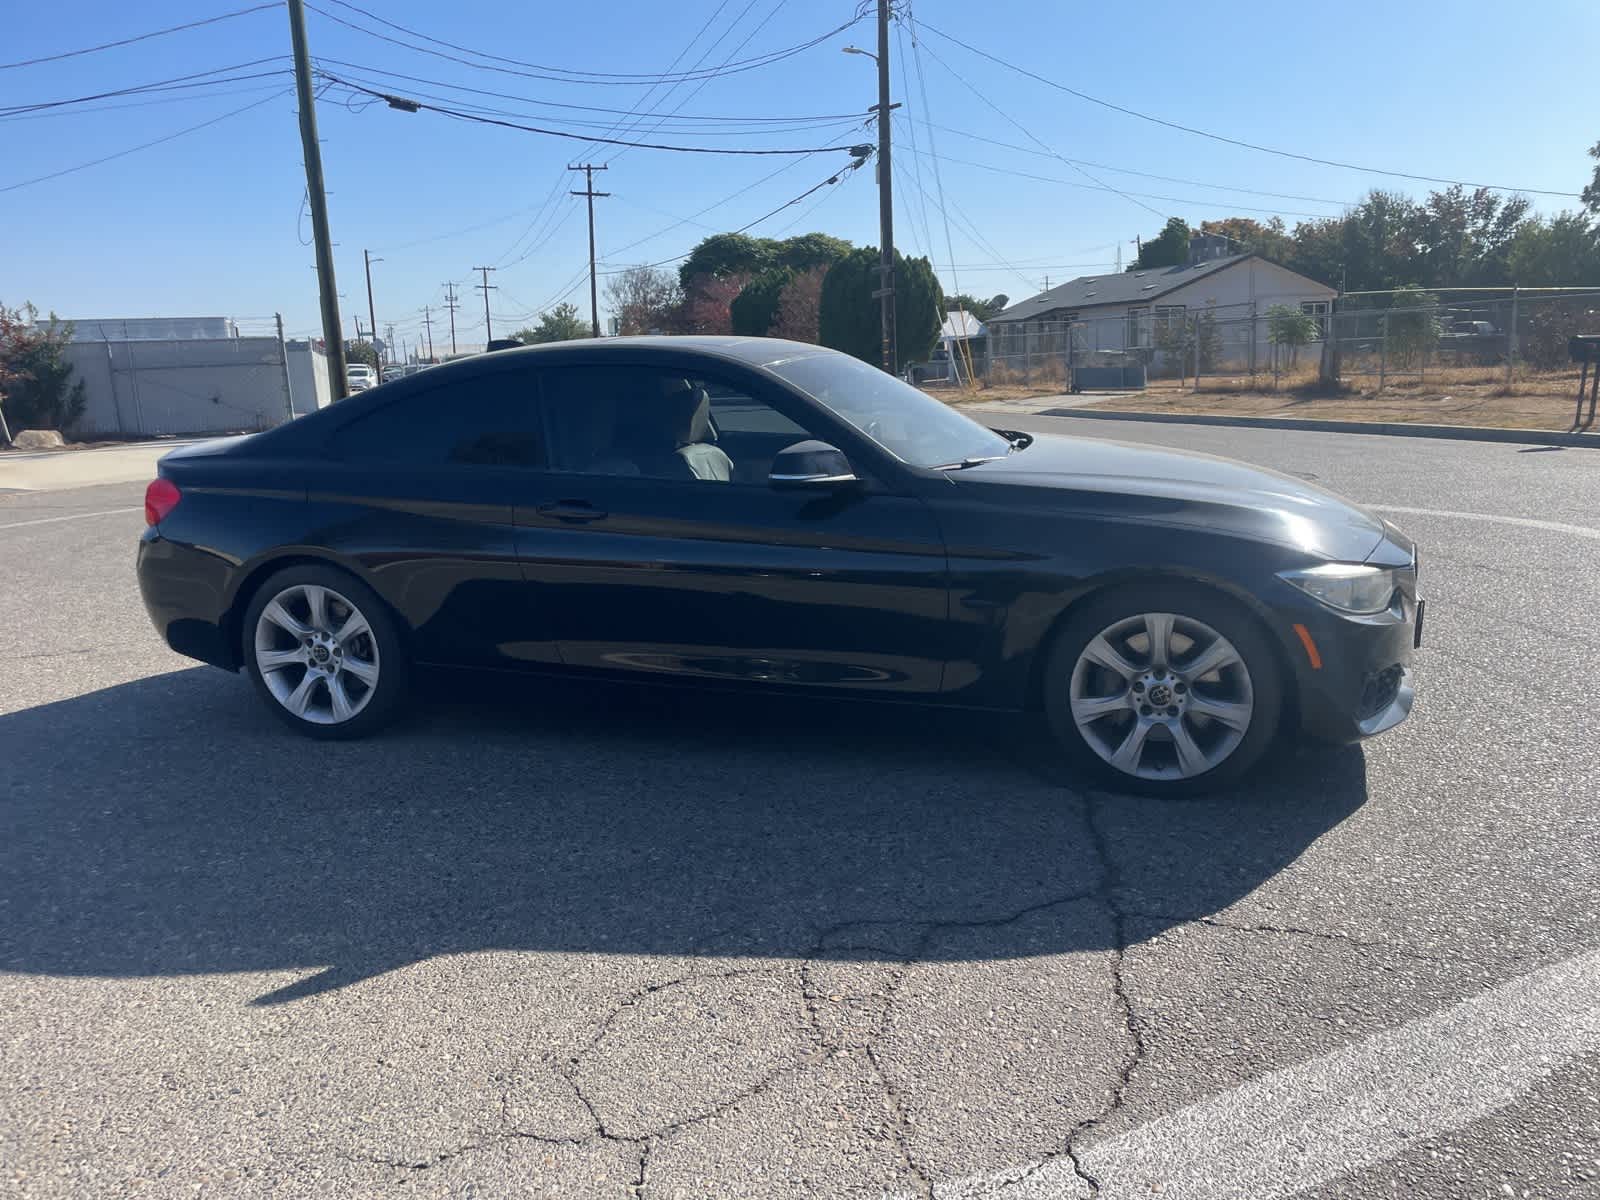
51,470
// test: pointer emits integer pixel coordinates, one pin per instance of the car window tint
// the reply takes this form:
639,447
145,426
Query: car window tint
661,424
489,420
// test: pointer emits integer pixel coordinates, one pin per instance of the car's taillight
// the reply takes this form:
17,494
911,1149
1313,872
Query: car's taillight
160,498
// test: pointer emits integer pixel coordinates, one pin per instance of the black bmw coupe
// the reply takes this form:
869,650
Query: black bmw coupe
770,515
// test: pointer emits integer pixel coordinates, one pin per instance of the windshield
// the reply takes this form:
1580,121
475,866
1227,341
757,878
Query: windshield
909,424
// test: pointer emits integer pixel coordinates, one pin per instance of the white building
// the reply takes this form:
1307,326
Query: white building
1129,310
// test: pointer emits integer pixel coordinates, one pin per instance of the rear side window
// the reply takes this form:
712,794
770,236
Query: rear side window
488,420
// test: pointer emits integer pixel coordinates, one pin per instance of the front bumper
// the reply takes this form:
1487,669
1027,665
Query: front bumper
1358,682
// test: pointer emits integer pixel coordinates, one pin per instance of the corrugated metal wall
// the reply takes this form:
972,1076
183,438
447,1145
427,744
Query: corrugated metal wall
222,385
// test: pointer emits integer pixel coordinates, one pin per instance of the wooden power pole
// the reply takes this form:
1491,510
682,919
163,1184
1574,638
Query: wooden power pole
589,193
485,287
317,199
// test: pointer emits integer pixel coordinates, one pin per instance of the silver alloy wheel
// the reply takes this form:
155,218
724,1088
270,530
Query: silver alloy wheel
1161,696
316,654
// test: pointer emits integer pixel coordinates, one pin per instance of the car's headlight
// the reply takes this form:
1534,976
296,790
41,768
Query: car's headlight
1349,587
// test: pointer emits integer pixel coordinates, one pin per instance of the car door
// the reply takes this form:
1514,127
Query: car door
420,494
648,567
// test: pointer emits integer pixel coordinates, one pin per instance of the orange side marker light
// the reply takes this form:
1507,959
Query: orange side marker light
1311,647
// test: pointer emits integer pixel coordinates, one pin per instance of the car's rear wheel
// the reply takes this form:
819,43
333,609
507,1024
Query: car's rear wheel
1167,689
324,652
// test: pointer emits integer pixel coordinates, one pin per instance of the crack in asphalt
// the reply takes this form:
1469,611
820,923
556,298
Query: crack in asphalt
1321,935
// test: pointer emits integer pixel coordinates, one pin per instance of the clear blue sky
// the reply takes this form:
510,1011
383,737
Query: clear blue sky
210,222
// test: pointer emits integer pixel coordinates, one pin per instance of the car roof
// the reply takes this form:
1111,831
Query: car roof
313,427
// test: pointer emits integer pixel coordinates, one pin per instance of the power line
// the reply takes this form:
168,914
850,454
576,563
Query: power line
144,145
177,83
1026,132
569,76
594,108
409,105
1217,137
814,188
143,37
1189,200
257,89
1224,187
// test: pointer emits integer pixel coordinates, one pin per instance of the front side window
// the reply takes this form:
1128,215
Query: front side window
909,424
655,423
486,420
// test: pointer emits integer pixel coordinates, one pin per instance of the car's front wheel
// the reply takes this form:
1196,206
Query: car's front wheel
324,652
1165,689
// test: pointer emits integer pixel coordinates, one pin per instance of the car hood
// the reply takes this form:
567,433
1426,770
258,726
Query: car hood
1182,489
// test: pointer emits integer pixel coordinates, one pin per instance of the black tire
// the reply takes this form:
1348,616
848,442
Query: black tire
383,701
1196,603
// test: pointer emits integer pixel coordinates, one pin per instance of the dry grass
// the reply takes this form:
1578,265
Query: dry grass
1448,396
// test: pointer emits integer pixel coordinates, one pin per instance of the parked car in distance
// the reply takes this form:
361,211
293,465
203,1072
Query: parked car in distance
359,377
774,516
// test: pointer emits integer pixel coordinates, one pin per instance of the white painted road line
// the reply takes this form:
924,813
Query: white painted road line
1360,1105
1585,531
105,512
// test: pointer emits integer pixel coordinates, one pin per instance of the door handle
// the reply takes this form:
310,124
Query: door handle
571,510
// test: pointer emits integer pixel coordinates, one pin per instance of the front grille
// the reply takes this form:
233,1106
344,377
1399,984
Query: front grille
1379,689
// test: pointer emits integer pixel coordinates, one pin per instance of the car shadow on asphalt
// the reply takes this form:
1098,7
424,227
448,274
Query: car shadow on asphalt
171,826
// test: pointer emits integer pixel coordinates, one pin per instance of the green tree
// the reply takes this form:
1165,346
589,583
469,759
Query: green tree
1288,327
1591,191
1463,238
1371,248
1169,248
727,254
560,324
1247,235
1555,252
361,351
848,316
800,307
755,308
1411,326
37,390
982,309
809,250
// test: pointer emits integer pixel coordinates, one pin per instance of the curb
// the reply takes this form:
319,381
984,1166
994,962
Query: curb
1462,433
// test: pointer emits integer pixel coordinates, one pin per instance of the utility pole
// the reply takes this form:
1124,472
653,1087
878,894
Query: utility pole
388,341
372,316
588,170
885,197
452,305
283,361
485,288
317,199
427,323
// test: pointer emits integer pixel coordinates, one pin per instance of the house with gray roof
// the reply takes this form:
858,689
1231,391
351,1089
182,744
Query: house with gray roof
1127,311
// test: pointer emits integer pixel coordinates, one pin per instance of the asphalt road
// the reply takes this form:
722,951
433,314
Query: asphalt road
570,943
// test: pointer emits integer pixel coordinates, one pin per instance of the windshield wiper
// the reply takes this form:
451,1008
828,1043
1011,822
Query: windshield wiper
1019,441
964,463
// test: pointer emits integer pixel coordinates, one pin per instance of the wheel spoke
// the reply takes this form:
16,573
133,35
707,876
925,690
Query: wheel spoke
354,626
277,660
1214,657
363,670
1191,759
317,602
1108,656
1234,716
299,700
281,617
1128,754
1159,627
1092,708
340,699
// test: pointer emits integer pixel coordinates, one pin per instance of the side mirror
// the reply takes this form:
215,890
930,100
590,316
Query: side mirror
811,465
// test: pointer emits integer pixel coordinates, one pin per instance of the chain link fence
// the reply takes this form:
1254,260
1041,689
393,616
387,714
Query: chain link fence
1372,342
